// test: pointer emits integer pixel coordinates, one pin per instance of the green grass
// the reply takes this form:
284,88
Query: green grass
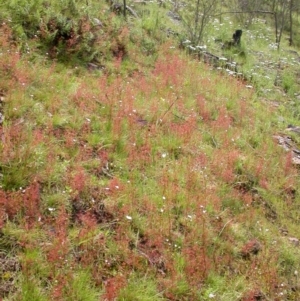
140,289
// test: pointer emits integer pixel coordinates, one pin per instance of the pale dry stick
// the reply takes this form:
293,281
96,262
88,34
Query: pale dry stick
160,120
220,233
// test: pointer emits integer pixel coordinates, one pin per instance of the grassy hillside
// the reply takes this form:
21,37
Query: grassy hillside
132,171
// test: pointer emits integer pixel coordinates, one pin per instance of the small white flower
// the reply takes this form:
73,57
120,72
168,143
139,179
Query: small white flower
163,155
51,209
129,217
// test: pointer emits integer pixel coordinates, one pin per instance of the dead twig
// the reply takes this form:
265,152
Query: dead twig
220,233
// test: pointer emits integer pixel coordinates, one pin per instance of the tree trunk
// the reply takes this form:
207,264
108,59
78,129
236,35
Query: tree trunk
291,22
124,8
276,26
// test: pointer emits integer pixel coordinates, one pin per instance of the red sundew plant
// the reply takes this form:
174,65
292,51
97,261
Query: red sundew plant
142,84
12,137
89,223
57,290
261,173
112,287
31,203
117,125
10,65
201,108
245,113
103,155
38,137
139,155
12,203
58,251
111,94
114,90
197,264
71,138
200,160
3,210
85,99
90,247
79,180
170,71
185,129
247,198
224,120
128,100
263,183
289,167
115,185
270,277
197,261
223,164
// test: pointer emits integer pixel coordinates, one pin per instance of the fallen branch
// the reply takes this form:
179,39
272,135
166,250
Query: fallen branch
132,11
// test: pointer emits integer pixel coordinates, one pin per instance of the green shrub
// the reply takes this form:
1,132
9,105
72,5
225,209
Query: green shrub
64,29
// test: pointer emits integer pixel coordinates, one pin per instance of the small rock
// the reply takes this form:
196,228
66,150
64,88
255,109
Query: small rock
294,241
175,17
92,67
292,128
284,231
97,22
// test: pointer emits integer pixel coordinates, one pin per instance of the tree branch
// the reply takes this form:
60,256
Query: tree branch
245,12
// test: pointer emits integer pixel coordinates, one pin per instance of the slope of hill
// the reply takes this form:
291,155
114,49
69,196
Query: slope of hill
140,173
